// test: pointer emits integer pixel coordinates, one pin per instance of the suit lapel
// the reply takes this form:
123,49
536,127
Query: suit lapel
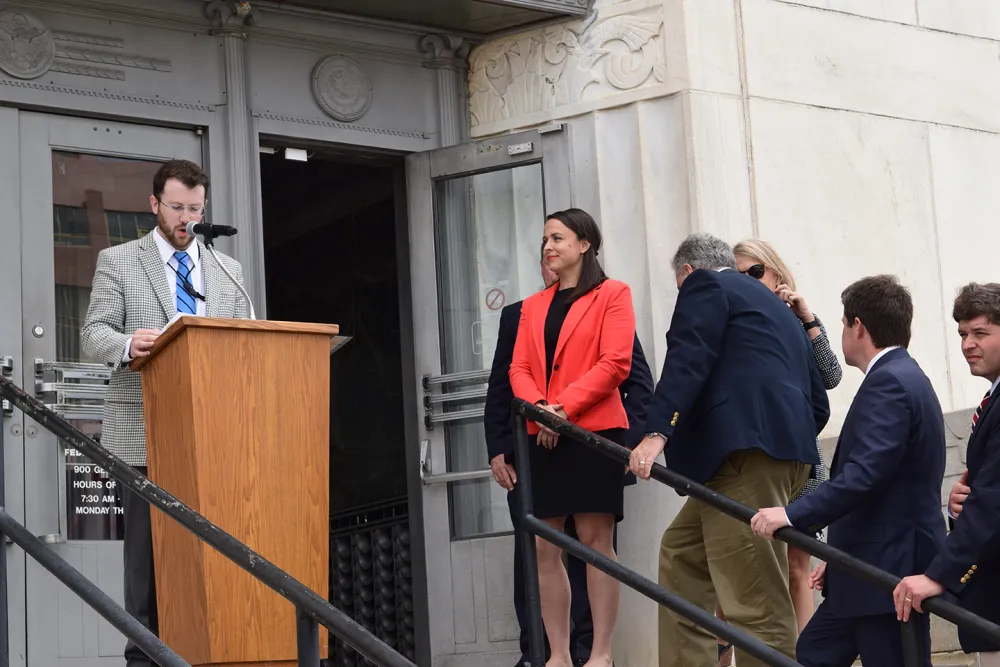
543,310
210,274
982,418
573,317
859,402
152,263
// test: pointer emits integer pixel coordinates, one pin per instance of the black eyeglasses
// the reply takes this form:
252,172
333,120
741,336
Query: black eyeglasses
755,271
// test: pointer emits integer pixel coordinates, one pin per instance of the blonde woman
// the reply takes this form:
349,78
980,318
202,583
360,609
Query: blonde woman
759,260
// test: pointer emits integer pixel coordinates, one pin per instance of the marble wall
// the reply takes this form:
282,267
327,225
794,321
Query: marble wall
859,136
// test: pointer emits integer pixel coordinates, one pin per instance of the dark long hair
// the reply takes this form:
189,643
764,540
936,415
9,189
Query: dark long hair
585,227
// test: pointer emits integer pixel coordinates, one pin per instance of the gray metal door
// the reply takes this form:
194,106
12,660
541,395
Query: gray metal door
476,213
83,185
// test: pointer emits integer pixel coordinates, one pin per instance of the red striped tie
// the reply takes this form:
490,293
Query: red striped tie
979,410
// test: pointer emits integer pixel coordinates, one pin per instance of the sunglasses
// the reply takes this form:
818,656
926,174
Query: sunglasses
755,271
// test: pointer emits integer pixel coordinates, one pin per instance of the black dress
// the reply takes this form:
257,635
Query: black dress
573,478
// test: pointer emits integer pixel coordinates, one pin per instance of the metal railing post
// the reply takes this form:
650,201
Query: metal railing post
939,606
529,552
4,619
307,634
293,590
90,593
912,653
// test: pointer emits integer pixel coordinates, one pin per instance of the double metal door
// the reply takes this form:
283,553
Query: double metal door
69,188
476,214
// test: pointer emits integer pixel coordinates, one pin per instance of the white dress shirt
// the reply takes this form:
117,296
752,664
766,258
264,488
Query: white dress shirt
170,268
878,356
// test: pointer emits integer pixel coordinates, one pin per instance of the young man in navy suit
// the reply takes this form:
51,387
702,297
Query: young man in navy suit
969,564
883,500
740,401
635,390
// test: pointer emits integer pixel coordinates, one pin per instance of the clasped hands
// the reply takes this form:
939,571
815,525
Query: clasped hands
548,438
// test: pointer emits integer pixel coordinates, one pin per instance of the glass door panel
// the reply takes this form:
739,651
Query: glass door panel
97,202
488,230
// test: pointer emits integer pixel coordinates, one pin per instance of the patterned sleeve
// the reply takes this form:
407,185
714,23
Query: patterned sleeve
826,360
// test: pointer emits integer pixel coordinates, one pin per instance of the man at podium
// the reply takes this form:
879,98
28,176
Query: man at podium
138,288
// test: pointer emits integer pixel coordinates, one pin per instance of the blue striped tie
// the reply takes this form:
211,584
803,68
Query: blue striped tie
185,302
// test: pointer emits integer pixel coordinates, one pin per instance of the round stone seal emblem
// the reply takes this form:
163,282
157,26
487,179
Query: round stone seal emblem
26,45
342,88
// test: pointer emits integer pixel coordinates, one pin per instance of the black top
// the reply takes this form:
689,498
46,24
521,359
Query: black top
553,325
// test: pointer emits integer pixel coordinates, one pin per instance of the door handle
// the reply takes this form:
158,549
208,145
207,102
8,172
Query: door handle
6,369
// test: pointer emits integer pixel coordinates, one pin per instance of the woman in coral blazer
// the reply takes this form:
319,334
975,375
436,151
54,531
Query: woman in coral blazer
573,350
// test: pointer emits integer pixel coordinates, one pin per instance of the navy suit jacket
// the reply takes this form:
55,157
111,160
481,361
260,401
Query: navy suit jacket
635,390
883,500
739,374
969,563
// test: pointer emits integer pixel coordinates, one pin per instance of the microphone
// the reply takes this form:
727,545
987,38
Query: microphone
209,231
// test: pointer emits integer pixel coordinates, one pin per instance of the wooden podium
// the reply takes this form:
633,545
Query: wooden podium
238,427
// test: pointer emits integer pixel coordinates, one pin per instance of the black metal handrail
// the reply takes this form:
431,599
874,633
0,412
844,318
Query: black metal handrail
310,607
150,644
834,557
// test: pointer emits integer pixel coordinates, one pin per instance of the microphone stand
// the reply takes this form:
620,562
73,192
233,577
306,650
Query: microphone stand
210,244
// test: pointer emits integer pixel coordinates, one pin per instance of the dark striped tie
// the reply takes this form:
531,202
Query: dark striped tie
979,410
185,302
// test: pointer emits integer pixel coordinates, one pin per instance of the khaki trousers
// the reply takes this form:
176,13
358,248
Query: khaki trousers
706,555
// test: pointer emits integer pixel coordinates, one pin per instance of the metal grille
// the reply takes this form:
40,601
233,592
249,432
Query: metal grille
371,579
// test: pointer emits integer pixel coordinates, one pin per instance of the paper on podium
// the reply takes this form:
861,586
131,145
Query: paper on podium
176,317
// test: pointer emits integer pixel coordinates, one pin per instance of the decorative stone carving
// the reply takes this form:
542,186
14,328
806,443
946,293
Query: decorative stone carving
97,57
26,45
89,40
97,72
444,51
230,17
342,88
565,64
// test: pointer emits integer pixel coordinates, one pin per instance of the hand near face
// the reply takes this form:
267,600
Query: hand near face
795,301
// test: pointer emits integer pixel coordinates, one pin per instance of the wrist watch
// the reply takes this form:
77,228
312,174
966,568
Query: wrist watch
656,435
811,325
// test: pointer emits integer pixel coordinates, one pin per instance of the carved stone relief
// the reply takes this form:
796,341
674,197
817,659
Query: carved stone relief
231,17
342,88
26,45
28,49
565,64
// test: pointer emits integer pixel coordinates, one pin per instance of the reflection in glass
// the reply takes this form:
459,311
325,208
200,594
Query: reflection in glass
96,203
488,231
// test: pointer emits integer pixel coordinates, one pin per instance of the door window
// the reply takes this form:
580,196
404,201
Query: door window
488,230
97,202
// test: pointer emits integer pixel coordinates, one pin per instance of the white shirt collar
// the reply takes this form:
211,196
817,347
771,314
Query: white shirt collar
994,387
879,356
167,251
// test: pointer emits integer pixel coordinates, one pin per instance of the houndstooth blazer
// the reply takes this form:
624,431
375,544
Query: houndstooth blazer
130,292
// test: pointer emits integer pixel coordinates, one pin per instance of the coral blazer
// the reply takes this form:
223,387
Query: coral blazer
593,356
